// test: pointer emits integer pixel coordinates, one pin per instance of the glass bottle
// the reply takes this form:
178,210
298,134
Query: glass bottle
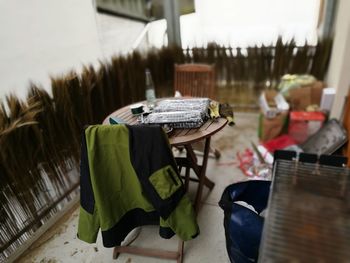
150,93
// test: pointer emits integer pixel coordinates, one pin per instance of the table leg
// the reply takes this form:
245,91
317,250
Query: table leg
200,171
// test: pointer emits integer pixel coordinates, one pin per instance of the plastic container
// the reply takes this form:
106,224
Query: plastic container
303,124
150,92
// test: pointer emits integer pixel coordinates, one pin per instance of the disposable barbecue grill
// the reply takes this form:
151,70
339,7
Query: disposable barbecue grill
308,217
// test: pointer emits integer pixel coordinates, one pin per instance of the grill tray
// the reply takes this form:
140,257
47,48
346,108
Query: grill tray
327,140
308,218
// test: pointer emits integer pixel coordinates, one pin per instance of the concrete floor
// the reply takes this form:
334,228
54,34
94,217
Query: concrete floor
60,244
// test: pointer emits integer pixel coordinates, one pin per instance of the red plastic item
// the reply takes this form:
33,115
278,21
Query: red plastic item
303,124
279,143
245,160
307,116
250,165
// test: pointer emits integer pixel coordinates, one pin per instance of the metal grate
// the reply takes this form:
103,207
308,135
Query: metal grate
308,218
180,113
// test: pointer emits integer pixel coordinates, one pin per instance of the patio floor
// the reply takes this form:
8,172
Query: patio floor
60,244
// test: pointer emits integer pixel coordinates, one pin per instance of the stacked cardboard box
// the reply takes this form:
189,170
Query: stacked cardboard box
275,110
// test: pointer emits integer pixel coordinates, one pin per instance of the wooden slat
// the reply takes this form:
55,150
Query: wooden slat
205,125
192,131
148,252
175,132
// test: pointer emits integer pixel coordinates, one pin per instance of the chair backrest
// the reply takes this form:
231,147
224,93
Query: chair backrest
196,80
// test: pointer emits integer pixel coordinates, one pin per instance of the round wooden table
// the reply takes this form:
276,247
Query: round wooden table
184,137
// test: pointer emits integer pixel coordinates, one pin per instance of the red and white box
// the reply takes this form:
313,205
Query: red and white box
303,124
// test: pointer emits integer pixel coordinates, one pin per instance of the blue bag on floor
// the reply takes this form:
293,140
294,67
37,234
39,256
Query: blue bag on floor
243,227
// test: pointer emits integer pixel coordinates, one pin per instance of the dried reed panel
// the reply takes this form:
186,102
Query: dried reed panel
321,58
29,181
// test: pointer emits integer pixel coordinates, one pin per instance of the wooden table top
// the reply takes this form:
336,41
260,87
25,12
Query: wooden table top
178,136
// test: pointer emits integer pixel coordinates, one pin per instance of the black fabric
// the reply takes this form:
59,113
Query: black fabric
144,142
283,155
87,200
333,160
132,219
243,227
166,232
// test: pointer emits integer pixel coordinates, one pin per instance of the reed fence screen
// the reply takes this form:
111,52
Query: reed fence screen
40,135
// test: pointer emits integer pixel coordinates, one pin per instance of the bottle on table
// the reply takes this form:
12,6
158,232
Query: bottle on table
150,93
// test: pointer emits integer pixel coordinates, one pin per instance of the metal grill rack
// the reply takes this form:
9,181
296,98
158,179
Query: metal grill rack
195,104
176,119
180,113
308,217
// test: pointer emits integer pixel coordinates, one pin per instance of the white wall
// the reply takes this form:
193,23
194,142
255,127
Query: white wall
117,35
244,23
339,67
39,38
249,22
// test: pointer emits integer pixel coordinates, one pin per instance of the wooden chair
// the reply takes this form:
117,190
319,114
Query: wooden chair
128,215
148,252
196,80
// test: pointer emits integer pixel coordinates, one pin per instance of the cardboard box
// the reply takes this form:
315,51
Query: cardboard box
301,98
270,128
272,103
